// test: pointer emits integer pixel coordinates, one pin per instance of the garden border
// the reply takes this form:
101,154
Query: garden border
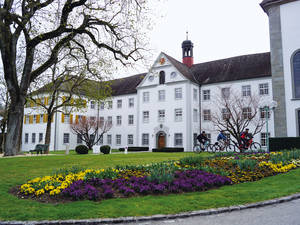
157,217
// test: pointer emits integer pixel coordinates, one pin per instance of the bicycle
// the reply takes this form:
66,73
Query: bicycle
203,147
250,144
225,146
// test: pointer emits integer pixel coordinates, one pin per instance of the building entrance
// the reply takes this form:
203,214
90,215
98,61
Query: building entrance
161,140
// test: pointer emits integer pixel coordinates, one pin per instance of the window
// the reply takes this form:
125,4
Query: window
93,118
102,105
264,89
195,141
119,120
92,138
40,137
162,77
101,120
146,116
130,120
34,118
130,139
208,137
225,114
131,102
178,139
145,139
206,115
246,90
263,113
119,103
296,74
109,120
41,118
206,95
66,118
118,139
161,95
195,94
92,104
161,115
178,93
225,92
100,142
26,138
27,119
247,113
110,104
33,138
263,139
146,97
79,141
178,115
195,115
66,138
109,139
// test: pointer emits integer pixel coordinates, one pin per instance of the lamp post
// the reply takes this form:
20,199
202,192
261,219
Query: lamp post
272,105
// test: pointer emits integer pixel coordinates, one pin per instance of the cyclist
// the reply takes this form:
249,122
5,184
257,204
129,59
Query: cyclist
202,139
222,139
246,138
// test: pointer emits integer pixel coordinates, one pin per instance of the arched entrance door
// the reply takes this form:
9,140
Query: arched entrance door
161,140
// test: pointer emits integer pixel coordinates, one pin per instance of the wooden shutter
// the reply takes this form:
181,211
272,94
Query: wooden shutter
62,118
46,118
71,118
76,119
38,119
46,100
63,99
31,119
24,119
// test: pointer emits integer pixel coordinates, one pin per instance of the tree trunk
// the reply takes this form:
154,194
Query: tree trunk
48,131
14,124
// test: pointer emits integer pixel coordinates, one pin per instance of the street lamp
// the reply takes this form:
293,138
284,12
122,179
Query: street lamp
272,105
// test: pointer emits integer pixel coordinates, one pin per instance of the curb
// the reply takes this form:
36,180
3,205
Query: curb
156,217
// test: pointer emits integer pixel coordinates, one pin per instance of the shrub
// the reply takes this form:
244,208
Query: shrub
283,143
105,149
81,149
134,149
168,150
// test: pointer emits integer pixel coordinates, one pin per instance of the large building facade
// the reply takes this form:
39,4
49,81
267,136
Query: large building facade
174,101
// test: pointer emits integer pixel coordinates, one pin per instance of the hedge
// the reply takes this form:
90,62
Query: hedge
168,150
134,149
282,143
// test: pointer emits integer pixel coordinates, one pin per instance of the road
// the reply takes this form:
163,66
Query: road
287,213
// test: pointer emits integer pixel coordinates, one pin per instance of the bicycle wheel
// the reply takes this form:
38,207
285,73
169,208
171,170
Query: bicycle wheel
230,148
210,148
255,146
197,149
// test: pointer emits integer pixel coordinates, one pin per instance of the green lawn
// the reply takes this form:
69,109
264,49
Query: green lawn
15,171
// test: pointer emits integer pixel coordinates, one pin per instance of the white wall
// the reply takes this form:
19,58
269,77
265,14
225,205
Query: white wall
290,27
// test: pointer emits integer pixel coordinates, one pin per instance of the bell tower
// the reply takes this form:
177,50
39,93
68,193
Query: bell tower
187,52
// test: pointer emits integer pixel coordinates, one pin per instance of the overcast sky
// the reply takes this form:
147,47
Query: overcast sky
219,29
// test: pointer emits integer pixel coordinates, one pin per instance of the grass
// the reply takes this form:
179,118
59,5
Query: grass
15,171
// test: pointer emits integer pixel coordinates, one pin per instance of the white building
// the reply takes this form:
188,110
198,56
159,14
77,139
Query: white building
171,104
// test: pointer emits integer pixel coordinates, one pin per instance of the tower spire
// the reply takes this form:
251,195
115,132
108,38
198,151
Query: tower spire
187,51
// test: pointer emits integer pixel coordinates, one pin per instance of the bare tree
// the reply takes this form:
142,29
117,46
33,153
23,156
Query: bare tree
4,102
116,28
235,113
90,130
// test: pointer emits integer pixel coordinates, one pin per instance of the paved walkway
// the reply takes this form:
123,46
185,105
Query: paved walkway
287,213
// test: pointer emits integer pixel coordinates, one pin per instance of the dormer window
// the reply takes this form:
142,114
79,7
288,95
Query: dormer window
162,76
296,74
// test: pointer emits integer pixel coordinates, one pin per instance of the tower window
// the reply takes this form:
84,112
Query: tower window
162,77
296,70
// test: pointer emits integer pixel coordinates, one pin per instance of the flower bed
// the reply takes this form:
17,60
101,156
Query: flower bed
186,175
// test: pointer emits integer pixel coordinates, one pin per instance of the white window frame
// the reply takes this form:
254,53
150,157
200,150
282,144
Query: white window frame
119,120
66,138
161,95
41,135
26,138
206,95
195,94
178,139
178,93
246,90
225,113
109,139
110,104
146,96
225,92
118,139
161,115
109,120
102,106
263,139
33,138
130,119
206,115
131,102
146,116
195,115
41,118
27,118
263,89
145,139
93,105
119,103
130,139
79,141
178,115
246,112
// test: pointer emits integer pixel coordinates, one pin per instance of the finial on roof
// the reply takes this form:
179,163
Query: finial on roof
187,35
